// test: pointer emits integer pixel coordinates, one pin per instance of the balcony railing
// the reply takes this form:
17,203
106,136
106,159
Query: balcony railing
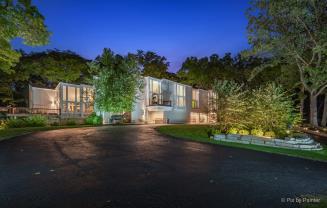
160,103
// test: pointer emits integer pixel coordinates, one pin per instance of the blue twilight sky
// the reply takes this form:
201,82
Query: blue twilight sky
175,29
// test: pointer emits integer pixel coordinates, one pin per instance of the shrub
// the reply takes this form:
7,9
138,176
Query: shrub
232,131
270,134
35,121
257,132
93,119
3,124
271,109
31,121
70,122
298,135
228,104
216,131
244,132
55,124
266,109
15,123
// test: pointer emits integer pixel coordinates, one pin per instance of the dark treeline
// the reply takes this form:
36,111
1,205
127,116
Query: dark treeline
48,68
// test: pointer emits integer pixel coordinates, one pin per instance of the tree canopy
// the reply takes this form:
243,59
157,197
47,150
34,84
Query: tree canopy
55,66
118,81
293,32
19,19
42,69
202,72
152,64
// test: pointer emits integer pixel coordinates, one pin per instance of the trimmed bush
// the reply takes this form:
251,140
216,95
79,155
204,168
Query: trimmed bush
93,119
270,134
257,132
244,132
35,121
270,108
15,123
232,131
31,121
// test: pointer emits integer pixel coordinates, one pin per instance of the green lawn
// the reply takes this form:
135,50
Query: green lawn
199,133
13,132
321,204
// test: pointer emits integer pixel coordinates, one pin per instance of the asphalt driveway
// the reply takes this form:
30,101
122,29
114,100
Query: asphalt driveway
134,166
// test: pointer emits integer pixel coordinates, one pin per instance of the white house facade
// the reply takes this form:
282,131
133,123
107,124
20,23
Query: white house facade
161,101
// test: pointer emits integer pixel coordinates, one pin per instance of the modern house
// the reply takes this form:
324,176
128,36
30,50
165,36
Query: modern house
166,101
161,101
66,100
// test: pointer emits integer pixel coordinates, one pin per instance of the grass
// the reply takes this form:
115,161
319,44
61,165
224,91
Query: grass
321,204
199,133
13,132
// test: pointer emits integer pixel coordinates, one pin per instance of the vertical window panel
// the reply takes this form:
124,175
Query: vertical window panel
71,94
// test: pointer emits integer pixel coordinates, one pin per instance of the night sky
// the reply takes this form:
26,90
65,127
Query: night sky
175,29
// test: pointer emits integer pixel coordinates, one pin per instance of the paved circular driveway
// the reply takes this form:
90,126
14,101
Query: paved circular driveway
134,166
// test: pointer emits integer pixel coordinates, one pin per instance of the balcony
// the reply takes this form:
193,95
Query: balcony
160,103
156,103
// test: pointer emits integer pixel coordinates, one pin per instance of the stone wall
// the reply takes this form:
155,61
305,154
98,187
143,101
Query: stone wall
303,143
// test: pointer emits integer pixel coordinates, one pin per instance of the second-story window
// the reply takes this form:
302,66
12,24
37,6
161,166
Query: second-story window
180,95
195,98
155,93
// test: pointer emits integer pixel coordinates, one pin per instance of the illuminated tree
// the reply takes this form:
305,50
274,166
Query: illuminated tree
293,32
117,82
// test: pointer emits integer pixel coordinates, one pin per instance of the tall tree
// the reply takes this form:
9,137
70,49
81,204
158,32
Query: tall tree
293,32
324,114
152,64
19,19
202,72
55,66
117,83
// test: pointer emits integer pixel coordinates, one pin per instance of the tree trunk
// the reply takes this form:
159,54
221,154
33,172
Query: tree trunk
313,110
302,98
324,115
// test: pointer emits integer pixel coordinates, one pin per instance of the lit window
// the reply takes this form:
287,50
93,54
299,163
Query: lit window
195,98
64,94
155,86
78,94
71,94
180,91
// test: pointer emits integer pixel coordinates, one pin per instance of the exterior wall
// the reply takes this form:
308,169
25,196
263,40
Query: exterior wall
161,101
138,114
42,100
170,107
67,100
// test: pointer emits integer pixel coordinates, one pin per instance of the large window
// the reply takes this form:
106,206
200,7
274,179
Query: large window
155,86
155,93
195,98
71,94
87,96
77,99
180,95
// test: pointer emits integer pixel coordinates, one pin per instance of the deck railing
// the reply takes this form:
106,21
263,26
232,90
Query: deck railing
24,110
